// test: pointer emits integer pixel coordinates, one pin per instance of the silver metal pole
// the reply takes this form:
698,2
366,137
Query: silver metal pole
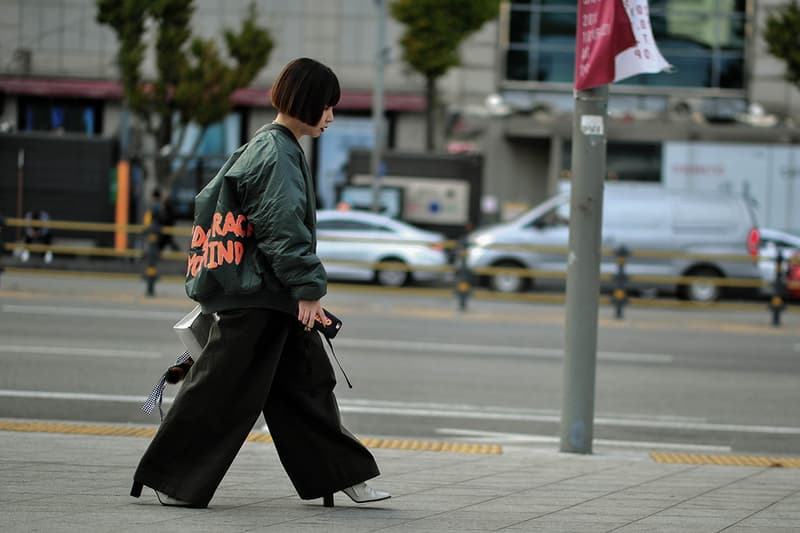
583,269
377,108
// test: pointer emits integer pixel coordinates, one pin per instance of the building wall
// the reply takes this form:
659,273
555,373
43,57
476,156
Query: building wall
54,38
60,38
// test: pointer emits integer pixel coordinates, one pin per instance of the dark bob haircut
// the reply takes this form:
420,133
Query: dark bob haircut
303,90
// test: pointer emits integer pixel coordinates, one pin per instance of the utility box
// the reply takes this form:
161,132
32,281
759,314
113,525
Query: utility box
440,192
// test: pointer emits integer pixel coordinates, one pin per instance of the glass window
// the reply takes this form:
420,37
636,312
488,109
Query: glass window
520,26
557,216
60,115
219,141
703,39
517,65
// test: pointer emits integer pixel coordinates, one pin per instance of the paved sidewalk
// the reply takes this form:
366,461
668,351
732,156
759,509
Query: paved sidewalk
53,482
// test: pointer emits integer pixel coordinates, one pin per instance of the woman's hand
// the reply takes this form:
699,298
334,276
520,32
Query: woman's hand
308,311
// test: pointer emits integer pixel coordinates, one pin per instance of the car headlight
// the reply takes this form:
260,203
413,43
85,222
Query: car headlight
483,240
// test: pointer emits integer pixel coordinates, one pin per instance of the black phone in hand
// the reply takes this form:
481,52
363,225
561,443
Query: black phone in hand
330,327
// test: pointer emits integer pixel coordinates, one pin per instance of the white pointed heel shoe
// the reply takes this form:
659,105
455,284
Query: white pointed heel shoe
169,501
363,493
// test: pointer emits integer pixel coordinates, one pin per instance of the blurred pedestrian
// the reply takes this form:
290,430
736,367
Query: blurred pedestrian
160,214
253,262
2,240
37,234
167,220
152,217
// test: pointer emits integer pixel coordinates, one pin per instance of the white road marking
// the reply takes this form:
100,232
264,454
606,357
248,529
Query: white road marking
81,351
90,312
363,406
363,344
76,396
517,351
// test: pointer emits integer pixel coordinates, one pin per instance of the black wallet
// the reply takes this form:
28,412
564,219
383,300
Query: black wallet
330,328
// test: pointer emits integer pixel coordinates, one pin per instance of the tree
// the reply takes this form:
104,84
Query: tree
782,34
434,31
193,83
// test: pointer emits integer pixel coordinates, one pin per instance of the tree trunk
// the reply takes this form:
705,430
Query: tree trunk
163,162
430,113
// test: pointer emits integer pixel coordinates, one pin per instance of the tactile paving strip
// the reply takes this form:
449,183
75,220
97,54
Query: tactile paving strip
726,460
255,436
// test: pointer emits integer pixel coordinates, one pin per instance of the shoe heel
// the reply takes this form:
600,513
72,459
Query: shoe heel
136,489
327,501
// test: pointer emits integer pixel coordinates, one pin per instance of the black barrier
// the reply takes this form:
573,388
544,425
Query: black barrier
462,276
464,279
152,251
777,303
619,297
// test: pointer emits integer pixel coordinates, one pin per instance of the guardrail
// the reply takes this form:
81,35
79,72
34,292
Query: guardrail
463,277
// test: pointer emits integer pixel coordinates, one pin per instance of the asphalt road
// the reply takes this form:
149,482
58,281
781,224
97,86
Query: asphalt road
84,349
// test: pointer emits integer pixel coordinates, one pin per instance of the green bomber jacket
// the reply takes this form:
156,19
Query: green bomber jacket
254,233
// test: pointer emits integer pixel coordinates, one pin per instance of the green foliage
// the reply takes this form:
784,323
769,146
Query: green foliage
127,18
436,28
434,32
250,48
193,80
782,34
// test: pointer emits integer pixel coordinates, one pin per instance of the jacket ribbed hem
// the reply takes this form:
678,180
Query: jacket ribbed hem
261,300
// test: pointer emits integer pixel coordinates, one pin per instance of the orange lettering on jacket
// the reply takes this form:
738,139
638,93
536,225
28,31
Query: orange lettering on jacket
219,245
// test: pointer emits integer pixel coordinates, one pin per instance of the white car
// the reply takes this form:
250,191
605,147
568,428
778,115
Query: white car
771,240
350,243
674,226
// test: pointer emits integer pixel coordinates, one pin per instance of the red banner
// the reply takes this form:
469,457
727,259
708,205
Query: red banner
604,31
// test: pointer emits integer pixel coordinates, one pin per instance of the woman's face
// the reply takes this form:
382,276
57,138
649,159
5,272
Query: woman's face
324,121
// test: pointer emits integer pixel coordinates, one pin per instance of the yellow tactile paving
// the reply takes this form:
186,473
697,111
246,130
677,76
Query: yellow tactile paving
726,460
255,436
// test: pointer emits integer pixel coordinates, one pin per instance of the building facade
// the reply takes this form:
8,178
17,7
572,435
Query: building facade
725,110
724,118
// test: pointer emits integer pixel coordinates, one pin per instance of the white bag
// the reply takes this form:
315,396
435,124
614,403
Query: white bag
193,330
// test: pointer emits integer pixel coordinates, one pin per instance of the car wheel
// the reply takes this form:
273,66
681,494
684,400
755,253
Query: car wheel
508,282
701,291
389,277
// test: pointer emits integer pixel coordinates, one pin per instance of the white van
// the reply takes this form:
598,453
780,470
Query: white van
645,218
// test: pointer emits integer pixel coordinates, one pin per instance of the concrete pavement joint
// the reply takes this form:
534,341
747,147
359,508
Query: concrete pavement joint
599,497
762,509
704,493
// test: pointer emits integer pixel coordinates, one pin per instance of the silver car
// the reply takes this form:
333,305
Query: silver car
771,240
350,243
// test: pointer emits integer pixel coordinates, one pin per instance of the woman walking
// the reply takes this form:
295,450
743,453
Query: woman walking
253,263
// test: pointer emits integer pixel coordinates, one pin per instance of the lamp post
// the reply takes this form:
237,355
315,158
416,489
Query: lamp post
583,269
377,108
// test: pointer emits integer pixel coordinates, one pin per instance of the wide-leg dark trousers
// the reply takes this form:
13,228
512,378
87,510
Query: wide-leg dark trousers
256,360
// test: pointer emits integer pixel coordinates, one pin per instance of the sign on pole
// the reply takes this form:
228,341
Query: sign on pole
614,41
